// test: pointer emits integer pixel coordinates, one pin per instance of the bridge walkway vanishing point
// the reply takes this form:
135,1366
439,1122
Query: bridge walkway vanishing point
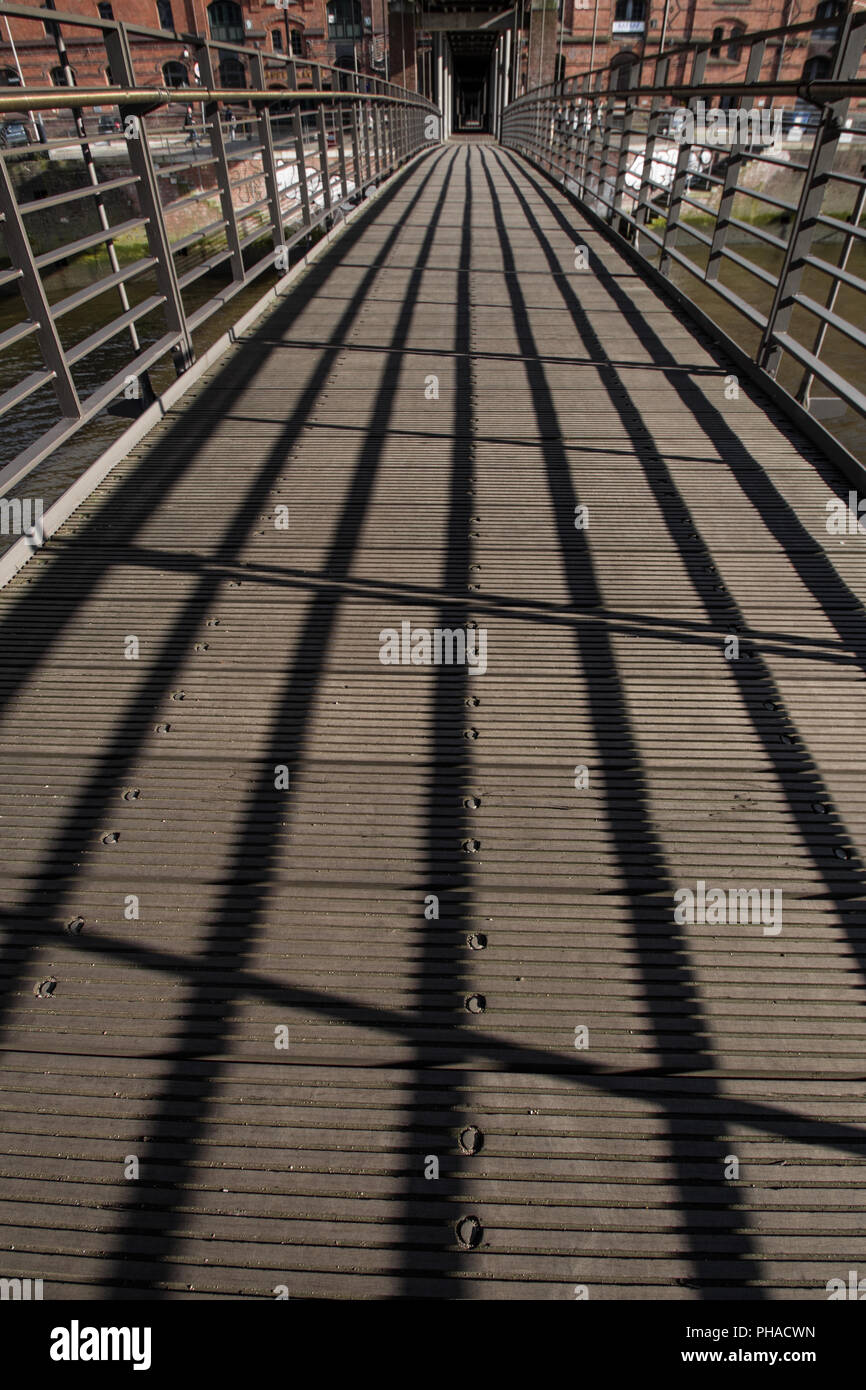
245,988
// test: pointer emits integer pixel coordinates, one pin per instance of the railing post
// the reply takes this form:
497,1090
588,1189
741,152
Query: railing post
732,172
141,163
606,164
223,171
815,182
323,139
656,111
269,167
699,63
300,153
378,144
35,302
340,127
634,73
357,172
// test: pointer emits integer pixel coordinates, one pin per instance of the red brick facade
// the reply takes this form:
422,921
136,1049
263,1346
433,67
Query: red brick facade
354,34
379,36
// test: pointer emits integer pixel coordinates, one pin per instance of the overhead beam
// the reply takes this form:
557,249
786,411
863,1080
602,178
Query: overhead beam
491,20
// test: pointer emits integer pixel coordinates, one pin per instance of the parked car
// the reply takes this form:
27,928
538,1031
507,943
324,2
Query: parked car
109,125
14,133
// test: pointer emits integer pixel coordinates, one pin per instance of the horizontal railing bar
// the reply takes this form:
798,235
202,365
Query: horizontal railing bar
192,237
98,287
188,199
16,333
258,232
65,428
836,273
24,388
163,170
846,228
110,330
751,266
850,330
819,92
41,98
7,276
820,369
758,232
766,198
85,243
243,213
197,271
94,190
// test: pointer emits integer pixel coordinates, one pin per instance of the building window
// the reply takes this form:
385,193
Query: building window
277,40
105,11
166,18
232,72
629,17
830,9
226,22
174,74
816,68
58,78
344,19
735,44
297,43
9,78
716,49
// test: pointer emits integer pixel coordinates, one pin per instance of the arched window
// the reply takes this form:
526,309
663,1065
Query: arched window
735,44
297,43
620,71
9,77
232,72
174,74
816,68
226,21
344,19
718,35
58,78
277,40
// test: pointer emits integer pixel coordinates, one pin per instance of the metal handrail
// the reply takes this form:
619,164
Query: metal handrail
568,130
301,168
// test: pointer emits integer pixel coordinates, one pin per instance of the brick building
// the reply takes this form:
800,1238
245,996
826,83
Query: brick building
348,33
406,39
595,33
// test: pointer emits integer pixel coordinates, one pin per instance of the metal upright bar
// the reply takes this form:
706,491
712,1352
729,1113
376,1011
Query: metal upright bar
141,163
732,172
221,164
269,167
54,29
654,119
847,246
35,300
815,181
628,123
300,153
323,141
681,176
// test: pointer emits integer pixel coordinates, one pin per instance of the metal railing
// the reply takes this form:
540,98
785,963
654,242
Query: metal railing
203,182
677,171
